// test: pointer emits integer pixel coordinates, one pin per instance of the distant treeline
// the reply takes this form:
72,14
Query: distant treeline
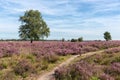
74,40
63,40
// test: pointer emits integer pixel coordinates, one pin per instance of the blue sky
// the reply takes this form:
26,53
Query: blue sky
66,18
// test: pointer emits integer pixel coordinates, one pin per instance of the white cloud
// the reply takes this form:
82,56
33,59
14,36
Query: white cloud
66,16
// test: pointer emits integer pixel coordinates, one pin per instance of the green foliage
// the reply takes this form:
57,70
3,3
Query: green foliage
80,39
45,65
4,64
33,26
31,57
107,36
63,39
73,40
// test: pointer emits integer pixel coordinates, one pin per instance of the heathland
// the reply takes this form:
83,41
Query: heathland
27,61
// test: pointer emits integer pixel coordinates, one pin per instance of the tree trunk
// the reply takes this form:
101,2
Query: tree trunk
31,41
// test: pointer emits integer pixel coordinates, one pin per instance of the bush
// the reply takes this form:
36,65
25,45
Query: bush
52,58
60,74
73,40
80,39
4,64
24,68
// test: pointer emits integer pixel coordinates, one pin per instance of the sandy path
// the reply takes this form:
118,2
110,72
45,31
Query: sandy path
49,75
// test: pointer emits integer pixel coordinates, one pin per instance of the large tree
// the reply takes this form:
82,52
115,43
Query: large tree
33,27
107,36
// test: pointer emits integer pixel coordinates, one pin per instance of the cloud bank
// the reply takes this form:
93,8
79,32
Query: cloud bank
66,18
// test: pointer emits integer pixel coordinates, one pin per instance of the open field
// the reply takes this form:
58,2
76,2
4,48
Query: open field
103,65
23,60
59,40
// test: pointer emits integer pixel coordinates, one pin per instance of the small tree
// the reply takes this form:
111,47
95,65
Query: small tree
80,39
63,39
73,40
107,36
33,26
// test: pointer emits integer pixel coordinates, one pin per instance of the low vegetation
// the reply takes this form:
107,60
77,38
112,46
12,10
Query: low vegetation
103,66
23,60
26,65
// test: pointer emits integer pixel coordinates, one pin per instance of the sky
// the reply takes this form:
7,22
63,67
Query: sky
65,18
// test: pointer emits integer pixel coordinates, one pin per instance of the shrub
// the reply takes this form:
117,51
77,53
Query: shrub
80,39
24,68
60,74
3,64
73,40
51,57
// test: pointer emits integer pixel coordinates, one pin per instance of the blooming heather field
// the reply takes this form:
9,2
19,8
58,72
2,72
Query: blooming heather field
59,48
22,59
103,66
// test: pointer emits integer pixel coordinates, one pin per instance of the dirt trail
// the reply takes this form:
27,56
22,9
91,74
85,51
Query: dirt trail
49,75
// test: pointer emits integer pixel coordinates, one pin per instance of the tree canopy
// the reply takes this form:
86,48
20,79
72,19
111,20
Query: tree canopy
80,39
107,36
33,27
